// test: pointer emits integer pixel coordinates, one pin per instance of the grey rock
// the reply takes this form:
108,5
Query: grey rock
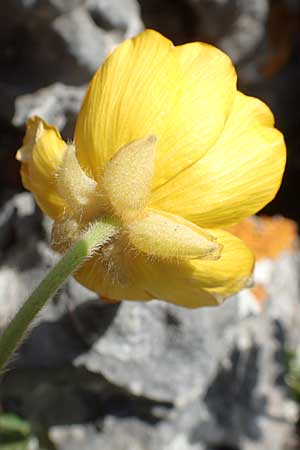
21,255
58,104
159,351
7,216
236,26
53,46
112,15
87,43
125,435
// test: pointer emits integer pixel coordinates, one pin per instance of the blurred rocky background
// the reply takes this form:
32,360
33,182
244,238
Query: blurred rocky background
150,376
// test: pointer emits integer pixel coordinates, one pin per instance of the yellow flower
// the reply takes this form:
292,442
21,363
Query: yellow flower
165,143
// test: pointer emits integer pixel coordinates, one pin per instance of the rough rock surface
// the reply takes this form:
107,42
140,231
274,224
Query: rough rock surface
236,26
152,376
50,49
56,104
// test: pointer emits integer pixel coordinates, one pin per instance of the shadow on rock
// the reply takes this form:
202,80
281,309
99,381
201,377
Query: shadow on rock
232,398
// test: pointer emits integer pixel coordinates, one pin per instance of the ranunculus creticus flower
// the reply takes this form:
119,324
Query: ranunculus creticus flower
167,145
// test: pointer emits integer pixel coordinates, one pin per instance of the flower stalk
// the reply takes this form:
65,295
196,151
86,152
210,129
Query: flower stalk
97,235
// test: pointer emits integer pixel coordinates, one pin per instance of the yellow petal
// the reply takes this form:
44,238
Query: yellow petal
197,283
135,282
192,283
205,99
239,175
41,156
127,99
182,95
168,236
128,176
113,274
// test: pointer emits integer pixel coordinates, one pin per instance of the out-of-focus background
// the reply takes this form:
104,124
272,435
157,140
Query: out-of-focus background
93,376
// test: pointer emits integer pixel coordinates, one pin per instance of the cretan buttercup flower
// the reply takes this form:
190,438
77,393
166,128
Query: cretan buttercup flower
167,145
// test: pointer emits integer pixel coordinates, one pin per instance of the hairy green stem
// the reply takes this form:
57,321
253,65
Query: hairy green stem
97,235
